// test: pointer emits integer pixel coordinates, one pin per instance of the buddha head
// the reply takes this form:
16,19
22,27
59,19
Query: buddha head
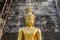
29,17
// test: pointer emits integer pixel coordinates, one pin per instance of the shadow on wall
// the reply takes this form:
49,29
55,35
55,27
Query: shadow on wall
10,36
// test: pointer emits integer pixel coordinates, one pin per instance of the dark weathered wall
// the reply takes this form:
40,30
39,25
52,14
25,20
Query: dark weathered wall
44,11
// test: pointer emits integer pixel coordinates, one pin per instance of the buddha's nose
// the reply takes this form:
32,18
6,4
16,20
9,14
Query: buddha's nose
29,21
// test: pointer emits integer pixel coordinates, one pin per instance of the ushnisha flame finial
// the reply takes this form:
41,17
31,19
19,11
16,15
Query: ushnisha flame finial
29,10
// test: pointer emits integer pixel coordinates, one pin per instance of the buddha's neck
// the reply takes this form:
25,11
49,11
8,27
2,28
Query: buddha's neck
29,26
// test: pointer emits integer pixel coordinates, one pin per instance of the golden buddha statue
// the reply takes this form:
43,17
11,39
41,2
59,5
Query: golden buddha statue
29,32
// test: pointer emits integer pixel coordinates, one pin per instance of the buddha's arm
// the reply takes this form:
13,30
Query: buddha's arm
39,37
20,35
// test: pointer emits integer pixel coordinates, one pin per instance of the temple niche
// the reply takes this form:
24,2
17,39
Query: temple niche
45,13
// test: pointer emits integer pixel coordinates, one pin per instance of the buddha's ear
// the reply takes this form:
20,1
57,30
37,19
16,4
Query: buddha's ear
34,17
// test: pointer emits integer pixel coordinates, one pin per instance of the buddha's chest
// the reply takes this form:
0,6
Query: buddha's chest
29,32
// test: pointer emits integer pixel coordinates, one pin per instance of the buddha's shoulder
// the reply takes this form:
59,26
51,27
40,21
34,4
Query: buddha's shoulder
21,29
34,28
38,29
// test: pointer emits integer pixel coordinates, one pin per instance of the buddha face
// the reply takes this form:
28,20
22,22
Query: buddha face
29,21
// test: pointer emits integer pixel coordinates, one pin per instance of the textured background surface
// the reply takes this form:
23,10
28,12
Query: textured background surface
43,10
